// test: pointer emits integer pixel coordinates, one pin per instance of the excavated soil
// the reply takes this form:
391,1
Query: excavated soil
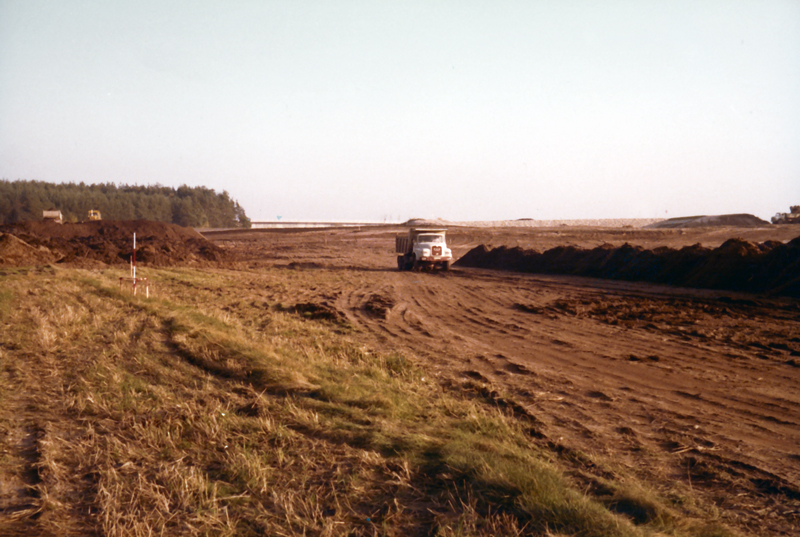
690,388
14,251
105,242
737,265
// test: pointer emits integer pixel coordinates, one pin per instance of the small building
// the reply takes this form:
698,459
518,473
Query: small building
54,215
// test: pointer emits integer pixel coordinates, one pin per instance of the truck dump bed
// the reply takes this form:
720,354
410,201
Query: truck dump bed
404,243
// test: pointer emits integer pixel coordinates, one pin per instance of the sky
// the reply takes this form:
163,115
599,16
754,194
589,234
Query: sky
388,110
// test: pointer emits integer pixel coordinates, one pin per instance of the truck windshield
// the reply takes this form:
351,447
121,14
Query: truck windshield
430,238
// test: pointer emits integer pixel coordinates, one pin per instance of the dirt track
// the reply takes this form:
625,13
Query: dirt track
681,386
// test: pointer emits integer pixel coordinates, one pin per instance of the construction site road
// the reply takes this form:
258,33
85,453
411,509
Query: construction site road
678,385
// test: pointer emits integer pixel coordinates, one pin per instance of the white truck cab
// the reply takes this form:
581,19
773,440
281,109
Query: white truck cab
423,249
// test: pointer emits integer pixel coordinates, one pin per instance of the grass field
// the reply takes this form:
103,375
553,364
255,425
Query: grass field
218,407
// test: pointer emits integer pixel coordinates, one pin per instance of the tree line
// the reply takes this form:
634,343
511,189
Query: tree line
186,206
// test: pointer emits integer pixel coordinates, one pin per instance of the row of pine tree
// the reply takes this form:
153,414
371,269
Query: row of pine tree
198,207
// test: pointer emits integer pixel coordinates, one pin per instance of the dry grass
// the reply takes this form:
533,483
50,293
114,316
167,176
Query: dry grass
211,409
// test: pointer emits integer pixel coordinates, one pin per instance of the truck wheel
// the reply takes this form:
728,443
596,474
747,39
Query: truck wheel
446,266
401,263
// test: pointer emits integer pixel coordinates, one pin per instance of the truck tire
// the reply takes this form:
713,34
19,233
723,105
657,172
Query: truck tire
401,263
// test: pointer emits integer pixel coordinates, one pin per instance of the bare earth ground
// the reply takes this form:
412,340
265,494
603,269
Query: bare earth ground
688,388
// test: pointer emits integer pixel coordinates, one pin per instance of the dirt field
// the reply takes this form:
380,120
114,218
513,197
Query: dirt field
289,382
688,389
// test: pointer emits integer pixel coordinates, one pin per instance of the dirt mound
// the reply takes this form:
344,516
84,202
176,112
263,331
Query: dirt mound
723,220
15,252
770,267
110,242
430,222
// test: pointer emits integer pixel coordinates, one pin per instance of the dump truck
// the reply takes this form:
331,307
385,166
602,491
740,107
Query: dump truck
94,215
788,218
423,249
54,215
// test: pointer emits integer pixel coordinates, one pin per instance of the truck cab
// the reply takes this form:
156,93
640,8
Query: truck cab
423,249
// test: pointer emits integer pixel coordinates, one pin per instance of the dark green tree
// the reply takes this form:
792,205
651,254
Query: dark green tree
186,206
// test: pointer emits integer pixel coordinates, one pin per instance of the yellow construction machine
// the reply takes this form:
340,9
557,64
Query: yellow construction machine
94,215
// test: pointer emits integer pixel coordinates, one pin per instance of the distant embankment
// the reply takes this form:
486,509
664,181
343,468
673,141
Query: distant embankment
530,222
436,222
304,225
770,267
722,220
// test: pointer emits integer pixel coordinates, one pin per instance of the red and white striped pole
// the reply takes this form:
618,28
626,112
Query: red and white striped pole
133,279
133,261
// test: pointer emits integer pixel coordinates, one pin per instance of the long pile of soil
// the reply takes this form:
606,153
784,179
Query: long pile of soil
722,220
770,267
110,242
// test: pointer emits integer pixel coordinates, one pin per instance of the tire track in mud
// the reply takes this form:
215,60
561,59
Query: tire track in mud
26,418
628,388
19,493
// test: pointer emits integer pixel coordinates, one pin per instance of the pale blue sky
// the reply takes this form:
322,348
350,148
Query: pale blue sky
376,110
